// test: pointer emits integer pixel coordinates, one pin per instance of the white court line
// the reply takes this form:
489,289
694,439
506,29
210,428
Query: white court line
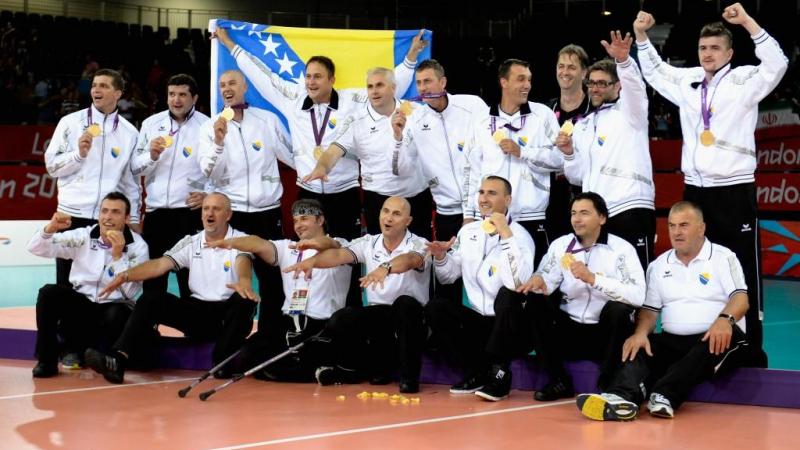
393,425
96,388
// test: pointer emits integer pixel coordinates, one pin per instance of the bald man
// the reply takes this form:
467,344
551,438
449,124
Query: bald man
221,306
390,328
240,155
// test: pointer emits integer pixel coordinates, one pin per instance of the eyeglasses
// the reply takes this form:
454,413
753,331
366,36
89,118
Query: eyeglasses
602,84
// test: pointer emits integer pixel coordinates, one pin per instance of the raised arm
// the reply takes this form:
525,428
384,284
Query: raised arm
773,61
270,85
633,97
661,76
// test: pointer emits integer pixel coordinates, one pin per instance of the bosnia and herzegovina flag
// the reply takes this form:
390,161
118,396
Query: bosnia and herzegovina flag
286,49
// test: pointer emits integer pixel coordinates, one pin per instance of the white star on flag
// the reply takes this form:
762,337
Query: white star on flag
234,27
270,46
286,64
300,78
253,31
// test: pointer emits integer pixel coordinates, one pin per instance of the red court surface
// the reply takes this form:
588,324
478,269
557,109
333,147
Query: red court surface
79,410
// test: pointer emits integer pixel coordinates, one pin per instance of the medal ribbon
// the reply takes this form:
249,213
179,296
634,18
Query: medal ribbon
319,133
705,108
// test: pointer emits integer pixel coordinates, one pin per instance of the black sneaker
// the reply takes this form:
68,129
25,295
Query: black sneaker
497,386
555,389
409,386
469,384
44,370
328,375
111,367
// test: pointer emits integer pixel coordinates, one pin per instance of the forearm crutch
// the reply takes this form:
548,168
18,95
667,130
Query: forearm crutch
278,357
182,393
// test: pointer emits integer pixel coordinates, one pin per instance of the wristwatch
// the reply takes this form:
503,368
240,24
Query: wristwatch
729,317
388,266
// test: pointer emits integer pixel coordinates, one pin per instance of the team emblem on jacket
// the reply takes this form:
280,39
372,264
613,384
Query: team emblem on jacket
492,270
332,124
705,277
115,151
460,146
111,272
257,145
522,141
601,140
227,266
187,152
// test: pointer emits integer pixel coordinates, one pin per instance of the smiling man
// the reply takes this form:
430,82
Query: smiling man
98,252
221,305
90,155
602,284
515,141
718,111
390,331
167,157
698,288
609,150
488,328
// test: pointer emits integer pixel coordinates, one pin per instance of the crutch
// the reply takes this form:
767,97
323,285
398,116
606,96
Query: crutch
182,393
255,369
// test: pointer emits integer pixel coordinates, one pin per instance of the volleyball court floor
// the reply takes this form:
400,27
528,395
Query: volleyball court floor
80,410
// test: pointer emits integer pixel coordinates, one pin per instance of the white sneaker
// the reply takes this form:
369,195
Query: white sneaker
606,407
660,406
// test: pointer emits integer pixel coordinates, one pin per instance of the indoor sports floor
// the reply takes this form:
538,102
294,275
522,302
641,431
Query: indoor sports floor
78,409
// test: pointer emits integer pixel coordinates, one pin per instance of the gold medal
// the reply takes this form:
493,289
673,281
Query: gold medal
488,227
406,108
498,136
94,130
167,141
567,260
227,113
707,138
318,152
567,128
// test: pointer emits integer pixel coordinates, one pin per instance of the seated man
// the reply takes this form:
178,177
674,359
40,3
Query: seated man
221,306
699,288
602,283
97,253
492,257
396,284
308,303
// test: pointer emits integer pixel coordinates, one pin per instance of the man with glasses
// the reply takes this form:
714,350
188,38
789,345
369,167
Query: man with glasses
609,151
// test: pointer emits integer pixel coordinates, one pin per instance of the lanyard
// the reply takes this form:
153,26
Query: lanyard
319,133
116,120
705,108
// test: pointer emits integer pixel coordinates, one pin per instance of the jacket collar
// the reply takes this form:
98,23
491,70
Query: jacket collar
524,110
334,104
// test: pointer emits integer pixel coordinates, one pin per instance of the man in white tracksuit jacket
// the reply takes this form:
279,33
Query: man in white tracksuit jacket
602,284
174,183
609,152
89,155
493,257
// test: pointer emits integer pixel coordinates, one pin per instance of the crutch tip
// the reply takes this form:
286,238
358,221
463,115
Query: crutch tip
205,395
182,393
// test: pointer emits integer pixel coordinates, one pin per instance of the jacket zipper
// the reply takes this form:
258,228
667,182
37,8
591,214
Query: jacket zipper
247,167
